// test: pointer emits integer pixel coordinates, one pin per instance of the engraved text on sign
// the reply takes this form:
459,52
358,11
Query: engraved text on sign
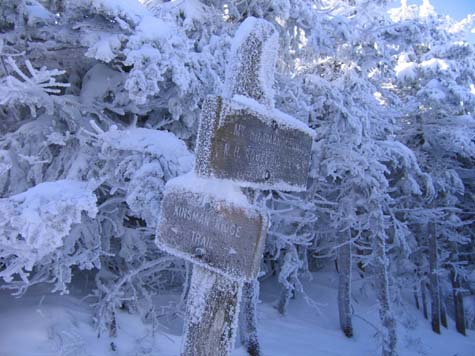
213,234
252,149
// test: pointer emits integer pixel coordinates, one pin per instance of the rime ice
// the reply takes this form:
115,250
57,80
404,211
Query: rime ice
34,223
250,71
212,310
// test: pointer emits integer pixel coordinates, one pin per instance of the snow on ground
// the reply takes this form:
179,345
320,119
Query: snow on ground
47,325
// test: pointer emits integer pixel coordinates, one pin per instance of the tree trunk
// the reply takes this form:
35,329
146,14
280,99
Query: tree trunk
416,298
284,299
424,299
443,311
248,318
434,279
312,261
186,283
382,284
458,304
344,288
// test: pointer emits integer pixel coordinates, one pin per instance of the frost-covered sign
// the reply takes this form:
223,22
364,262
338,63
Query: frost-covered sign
210,223
256,147
242,137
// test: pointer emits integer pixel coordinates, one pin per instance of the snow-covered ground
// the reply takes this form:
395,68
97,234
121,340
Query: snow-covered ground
47,325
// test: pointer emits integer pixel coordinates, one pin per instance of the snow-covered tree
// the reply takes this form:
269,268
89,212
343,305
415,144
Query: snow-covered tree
434,79
99,105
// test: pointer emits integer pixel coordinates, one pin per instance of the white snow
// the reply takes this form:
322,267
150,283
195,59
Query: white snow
406,70
98,81
130,9
103,47
218,189
34,223
62,325
282,118
434,90
155,142
152,28
435,64
426,9
37,13
5,162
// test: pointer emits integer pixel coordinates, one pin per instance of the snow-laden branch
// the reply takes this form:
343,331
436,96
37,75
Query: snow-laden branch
33,88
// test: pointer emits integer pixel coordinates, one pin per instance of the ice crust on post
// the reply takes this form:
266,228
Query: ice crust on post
211,314
252,145
211,224
250,72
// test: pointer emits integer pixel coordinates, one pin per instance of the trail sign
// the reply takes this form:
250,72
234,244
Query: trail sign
255,148
210,231
243,142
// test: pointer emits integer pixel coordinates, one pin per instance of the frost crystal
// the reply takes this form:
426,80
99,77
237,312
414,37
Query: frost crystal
250,71
34,223
154,142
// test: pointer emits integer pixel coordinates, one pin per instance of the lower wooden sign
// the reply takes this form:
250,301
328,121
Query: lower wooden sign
212,232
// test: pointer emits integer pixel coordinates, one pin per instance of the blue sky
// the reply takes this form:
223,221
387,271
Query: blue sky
458,9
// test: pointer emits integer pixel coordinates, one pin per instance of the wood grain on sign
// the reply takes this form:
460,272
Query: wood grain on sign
213,234
211,315
250,148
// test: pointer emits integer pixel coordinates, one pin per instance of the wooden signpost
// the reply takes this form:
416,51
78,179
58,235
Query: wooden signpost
243,141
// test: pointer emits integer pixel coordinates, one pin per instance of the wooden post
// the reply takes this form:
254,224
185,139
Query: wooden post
248,318
212,314
210,221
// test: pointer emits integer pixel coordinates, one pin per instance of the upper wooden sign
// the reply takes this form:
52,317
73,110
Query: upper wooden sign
211,223
243,141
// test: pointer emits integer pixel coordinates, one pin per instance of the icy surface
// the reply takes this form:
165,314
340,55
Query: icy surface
250,70
34,223
199,292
